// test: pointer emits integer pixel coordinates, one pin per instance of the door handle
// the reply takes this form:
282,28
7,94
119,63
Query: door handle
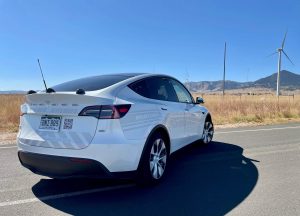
162,108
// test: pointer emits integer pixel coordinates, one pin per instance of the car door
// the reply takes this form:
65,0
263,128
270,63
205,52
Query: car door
173,112
195,118
193,113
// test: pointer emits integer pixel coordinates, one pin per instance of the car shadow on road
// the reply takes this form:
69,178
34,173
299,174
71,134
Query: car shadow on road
201,180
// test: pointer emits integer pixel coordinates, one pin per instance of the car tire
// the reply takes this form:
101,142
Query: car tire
208,132
154,160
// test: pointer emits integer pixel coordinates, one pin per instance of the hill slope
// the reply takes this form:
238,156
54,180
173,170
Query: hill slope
288,81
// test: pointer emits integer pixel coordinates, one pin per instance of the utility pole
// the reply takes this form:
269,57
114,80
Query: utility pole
224,70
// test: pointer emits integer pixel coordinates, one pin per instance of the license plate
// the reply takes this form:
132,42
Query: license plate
50,123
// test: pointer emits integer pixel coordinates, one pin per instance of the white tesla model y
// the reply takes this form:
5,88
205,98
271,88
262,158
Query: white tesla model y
110,126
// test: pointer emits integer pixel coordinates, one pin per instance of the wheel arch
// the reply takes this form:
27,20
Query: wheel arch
163,131
208,117
157,129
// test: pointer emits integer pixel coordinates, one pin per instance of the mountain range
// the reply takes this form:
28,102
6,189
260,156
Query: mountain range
13,92
288,81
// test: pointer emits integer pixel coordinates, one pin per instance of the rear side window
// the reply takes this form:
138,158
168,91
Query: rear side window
141,88
90,83
158,88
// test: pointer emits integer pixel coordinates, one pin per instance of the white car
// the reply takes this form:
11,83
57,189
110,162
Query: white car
110,126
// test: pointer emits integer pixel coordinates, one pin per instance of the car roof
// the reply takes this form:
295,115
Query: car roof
126,74
132,77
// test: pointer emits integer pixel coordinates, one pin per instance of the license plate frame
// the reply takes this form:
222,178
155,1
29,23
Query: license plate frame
50,123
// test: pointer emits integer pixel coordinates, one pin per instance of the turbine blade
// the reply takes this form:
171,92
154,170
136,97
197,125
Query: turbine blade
282,45
271,54
287,57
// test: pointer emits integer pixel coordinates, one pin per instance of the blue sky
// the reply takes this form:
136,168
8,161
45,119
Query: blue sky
81,38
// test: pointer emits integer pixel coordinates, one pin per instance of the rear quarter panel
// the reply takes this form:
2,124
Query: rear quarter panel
142,117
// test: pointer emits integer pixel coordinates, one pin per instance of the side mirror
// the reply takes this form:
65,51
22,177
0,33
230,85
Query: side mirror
199,100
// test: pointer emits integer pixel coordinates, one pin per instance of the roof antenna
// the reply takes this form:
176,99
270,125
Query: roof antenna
42,75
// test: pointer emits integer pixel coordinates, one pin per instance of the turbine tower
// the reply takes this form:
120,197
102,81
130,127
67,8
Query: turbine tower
280,51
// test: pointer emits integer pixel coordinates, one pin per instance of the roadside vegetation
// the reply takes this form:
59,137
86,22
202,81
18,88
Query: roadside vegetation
10,112
230,109
256,109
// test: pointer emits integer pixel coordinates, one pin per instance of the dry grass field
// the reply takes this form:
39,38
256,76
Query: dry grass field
264,109
10,112
231,109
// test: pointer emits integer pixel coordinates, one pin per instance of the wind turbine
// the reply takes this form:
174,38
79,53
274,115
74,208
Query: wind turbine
280,51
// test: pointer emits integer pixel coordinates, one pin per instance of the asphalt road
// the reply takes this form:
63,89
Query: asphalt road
245,171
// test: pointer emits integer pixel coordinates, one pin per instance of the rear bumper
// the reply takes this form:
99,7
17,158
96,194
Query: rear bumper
116,155
67,167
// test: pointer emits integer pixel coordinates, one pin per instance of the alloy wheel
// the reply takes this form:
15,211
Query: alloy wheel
208,132
158,158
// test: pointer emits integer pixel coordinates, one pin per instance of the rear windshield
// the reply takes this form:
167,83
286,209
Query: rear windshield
90,83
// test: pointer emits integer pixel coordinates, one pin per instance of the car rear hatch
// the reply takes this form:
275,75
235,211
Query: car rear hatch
53,121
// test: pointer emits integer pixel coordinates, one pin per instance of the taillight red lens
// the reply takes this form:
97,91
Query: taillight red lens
106,111
123,109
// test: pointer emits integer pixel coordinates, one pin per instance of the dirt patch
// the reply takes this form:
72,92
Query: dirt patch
254,124
7,138
237,125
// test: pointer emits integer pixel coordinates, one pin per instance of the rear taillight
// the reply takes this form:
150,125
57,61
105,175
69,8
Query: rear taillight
106,111
91,111
123,109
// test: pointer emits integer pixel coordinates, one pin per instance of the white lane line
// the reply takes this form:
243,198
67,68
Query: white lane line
64,195
252,154
8,147
254,130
